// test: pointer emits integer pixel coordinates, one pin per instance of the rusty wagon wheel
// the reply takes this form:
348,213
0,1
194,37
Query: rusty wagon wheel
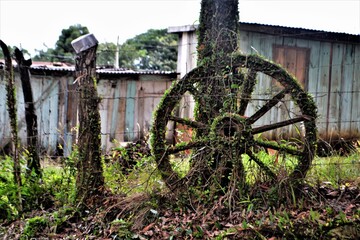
291,134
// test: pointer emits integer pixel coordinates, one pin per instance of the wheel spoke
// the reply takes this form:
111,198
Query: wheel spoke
262,165
187,122
279,147
248,88
268,105
280,124
187,146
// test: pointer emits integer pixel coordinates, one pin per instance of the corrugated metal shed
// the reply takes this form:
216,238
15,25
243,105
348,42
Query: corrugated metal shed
327,64
128,100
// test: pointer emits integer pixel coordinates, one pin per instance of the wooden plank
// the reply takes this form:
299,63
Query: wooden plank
258,93
346,90
313,79
61,109
244,42
335,92
130,111
313,74
279,55
44,108
106,92
71,118
302,67
114,111
254,43
120,130
64,138
323,85
141,107
266,84
53,116
355,106
266,43
290,60
278,52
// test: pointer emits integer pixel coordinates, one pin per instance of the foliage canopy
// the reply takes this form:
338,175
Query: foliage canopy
63,51
153,50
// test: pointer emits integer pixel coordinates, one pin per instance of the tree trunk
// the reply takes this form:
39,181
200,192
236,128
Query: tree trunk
89,180
218,39
218,30
33,161
12,110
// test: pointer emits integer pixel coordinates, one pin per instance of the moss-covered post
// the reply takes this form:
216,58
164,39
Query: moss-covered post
90,180
218,33
218,40
12,110
33,161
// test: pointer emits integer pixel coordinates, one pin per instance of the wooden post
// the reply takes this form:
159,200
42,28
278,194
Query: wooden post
89,181
12,109
33,161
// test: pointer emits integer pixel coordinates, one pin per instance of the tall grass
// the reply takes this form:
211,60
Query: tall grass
336,170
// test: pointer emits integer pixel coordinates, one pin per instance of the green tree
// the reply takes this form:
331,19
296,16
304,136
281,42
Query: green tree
106,54
63,50
45,55
153,50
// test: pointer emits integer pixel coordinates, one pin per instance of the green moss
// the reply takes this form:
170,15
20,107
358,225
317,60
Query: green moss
34,227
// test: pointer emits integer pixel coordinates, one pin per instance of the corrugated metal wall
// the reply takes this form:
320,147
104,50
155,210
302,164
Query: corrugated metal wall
329,71
45,94
126,109
333,79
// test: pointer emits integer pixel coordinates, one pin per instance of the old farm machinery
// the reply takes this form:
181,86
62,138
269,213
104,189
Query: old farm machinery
265,114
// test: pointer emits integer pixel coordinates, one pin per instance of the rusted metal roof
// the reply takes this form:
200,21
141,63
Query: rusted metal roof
128,71
44,68
283,31
300,32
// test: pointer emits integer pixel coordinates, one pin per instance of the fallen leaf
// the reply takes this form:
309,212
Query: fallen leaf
148,227
349,207
333,194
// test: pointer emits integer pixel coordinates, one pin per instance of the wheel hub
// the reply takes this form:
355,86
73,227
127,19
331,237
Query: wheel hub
231,127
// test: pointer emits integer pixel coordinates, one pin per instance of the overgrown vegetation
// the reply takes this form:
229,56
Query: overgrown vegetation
227,182
139,206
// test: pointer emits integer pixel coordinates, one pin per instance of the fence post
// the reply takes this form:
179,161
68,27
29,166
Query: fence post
33,161
89,181
12,109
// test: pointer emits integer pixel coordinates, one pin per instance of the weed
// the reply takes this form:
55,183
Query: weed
34,226
121,229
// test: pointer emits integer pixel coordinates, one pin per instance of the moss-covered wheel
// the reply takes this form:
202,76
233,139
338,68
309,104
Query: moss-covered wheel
265,116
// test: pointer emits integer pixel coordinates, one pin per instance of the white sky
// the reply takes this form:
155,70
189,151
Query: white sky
31,24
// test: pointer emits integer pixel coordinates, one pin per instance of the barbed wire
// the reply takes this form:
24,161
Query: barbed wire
314,94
